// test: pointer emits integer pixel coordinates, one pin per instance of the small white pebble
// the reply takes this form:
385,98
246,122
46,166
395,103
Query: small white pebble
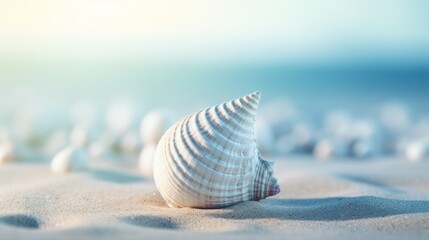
6,152
70,159
415,151
146,160
155,124
323,149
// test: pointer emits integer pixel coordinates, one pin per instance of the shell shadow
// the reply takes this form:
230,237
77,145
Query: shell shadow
20,220
325,209
116,176
148,221
371,182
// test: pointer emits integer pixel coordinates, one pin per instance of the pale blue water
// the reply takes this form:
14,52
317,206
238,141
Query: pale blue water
357,87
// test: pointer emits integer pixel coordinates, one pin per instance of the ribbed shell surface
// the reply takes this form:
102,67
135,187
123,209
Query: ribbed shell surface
209,159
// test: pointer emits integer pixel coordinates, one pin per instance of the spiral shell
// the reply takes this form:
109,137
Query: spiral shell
210,159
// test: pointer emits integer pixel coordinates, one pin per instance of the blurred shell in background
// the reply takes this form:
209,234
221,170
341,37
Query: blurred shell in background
6,146
264,136
58,140
32,124
38,128
105,146
328,148
120,116
155,124
278,112
146,159
80,136
83,114
395,117
6,151
70,159
414,149
299,140
130,142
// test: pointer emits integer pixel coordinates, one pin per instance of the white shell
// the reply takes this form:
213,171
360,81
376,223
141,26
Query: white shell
154,125
210,159
146,160
70,159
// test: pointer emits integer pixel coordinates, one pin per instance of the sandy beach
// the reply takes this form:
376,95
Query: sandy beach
97,96
382,199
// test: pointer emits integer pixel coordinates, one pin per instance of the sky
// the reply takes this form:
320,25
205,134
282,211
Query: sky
186,50
214,31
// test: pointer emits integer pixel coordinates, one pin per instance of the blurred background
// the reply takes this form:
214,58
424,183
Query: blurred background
339,79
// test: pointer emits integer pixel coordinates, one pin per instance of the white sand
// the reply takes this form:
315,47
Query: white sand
332,200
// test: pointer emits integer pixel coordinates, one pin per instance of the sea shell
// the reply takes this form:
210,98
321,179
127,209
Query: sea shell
70,159
210,159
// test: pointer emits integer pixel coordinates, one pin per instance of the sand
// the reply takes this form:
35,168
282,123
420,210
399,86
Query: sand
377,199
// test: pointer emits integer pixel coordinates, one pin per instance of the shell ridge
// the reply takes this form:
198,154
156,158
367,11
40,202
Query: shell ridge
170,171
193,174
204,154
265,184
269,166
235,125
239,116
226,139
247,107
241,159
252,100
